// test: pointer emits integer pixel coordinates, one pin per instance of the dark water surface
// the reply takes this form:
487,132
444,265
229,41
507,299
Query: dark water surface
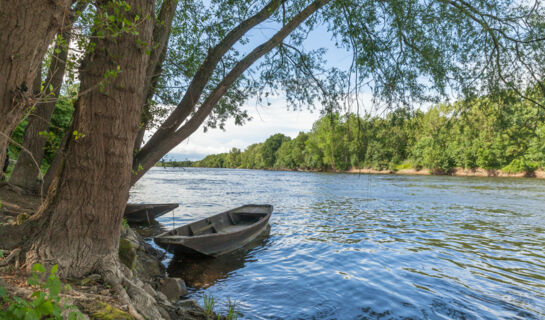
347,246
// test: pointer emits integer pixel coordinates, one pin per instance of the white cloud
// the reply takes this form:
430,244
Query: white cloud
265,122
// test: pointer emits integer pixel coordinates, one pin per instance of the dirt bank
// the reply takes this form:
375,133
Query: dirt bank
459,172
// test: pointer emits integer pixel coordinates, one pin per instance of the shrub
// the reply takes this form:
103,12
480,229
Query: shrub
520,165
45,303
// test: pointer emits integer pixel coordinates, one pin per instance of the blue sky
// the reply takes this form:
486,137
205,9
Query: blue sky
266,120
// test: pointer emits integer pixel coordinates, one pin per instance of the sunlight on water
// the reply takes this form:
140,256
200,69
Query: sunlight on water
367,246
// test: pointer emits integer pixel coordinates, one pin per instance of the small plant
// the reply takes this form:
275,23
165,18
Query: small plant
45,303
125,223
209,303
77,135
232,313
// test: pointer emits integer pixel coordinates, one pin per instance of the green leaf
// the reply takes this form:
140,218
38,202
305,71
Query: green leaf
3,292
38,268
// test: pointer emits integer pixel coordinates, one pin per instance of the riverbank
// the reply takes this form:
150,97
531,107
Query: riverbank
153,294
457,172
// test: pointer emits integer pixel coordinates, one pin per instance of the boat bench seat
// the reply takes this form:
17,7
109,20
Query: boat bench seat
202,229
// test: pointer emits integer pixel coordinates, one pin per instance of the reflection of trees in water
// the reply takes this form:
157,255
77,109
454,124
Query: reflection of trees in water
202,271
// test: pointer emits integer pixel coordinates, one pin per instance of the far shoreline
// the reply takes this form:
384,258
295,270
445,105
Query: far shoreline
455,172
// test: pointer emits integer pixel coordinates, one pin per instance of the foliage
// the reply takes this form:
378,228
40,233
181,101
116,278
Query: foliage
62,116
127,253
493,132
270,147
45,303
176,164
520,165
60,121
209,304
232,313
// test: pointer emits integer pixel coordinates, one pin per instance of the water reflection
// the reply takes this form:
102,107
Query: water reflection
201,272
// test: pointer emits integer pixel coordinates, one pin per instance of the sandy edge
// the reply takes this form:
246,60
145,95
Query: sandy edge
459,172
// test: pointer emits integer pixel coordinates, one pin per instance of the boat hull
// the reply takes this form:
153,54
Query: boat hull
227,239
146,213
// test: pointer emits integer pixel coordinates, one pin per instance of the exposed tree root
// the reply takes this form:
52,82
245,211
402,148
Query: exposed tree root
22,249
129,289
13,255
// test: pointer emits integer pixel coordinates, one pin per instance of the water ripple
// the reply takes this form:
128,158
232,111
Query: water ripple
367,246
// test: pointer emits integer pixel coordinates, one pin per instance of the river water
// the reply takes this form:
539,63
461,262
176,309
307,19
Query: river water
348,246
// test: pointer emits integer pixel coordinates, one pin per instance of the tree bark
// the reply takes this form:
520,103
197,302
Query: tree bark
156,148
26,30
29,147
53,170
161,35
28,164
79,225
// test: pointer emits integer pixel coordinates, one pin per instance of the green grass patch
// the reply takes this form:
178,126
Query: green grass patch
403,166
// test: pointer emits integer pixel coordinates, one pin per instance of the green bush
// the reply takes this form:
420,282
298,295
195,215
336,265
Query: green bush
45,303
520,165
402,166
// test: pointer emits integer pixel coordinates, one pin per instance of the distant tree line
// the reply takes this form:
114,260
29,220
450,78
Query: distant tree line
500,132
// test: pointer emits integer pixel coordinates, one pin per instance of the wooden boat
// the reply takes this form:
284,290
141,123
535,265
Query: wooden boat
218,234
147,212
201,272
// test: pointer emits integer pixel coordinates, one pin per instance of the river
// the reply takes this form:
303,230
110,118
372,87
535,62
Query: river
349,246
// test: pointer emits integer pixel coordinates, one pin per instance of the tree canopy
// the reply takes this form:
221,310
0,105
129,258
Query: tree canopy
501,132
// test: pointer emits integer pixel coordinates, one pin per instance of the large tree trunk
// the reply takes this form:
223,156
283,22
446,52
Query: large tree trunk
26,30
79,226
27,168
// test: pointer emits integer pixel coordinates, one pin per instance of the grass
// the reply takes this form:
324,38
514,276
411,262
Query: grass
232,313
209,304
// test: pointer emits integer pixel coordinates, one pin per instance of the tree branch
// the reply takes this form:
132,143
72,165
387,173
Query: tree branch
204,73
161,147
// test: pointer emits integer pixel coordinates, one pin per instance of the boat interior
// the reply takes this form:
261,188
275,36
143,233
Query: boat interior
227,222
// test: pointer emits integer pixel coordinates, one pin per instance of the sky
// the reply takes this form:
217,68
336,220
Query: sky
266,120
